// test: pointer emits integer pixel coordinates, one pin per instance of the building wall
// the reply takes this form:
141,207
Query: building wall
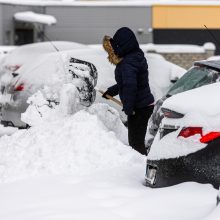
186,17
90,24
7,14
1,27
184,24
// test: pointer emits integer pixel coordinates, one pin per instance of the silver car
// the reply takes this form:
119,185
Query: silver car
49,70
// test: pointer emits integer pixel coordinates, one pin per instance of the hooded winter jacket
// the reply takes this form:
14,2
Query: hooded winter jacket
131,73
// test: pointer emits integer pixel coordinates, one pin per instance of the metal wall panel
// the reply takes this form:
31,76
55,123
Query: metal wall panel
186,16
90,24
8,12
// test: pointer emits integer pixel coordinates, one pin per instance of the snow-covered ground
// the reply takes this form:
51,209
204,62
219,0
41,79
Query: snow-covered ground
79,166
111,194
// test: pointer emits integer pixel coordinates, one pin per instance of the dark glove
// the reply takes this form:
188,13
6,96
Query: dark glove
129,113
104,95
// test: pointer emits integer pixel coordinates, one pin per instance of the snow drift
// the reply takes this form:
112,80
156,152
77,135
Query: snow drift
62,143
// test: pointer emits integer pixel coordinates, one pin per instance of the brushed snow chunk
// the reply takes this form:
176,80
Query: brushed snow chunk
38,110
43,105
69,99
111,119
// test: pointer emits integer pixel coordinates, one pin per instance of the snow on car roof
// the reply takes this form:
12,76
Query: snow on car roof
28,52
202,100
209,63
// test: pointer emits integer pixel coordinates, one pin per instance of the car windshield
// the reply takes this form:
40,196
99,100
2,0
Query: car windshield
195,77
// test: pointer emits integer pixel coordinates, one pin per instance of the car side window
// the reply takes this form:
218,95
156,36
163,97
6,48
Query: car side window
212,77
194,78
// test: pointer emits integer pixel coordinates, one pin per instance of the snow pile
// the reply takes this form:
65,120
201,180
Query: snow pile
7,130
59,142
29,16
214,215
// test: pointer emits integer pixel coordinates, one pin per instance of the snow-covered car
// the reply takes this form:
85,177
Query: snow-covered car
202,73
21,55
49,73
48,68
186,147
4,50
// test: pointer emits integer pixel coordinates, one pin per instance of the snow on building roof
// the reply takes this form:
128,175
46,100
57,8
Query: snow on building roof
32,17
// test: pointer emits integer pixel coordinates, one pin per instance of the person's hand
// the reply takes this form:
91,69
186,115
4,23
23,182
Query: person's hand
104,95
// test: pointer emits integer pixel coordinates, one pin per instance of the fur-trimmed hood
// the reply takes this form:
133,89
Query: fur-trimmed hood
123,43
112,57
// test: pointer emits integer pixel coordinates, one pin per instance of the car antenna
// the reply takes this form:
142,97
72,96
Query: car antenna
212,35
54,46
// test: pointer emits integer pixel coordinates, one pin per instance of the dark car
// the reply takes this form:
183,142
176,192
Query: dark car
166,172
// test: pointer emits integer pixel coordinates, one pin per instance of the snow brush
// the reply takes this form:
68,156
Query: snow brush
109,97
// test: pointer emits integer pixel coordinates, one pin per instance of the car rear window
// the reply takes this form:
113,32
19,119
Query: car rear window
195,77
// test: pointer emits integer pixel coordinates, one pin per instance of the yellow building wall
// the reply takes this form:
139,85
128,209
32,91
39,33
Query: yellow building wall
185,17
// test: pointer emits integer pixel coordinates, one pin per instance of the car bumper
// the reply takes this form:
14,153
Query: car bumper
202,166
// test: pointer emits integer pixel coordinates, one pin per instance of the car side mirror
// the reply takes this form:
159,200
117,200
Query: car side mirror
174,80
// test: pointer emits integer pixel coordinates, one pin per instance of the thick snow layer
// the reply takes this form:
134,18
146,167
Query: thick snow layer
29,16
214,58
214,215
201,100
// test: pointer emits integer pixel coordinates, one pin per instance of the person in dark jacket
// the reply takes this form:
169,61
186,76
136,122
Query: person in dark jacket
131,75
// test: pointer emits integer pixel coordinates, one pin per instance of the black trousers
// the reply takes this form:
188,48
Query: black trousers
137,127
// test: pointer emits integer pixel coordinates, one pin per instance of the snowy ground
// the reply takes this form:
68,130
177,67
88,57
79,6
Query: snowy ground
78,166
115,193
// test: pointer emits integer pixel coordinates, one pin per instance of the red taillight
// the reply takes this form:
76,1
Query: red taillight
13,68
19,87
210,137
190,131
